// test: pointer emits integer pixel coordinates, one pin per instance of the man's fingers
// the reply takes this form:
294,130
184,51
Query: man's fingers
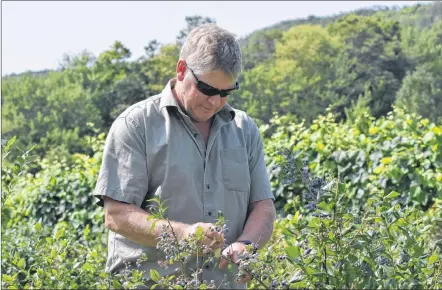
215,235
215,244
214,240
226,256
246,279
223,263
235,257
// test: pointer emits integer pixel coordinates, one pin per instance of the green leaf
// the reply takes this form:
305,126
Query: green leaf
315,222
296,218
154,275
298,285
293,252
53,253
325,206
37,227
8,278
393,194
311,271
10,143
418,251
370,201
152,227
199,232
87,267
59,233
21,263
433,258
116,284
287,232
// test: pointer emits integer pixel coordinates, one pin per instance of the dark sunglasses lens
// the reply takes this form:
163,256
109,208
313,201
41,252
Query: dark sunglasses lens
211,91
207,90
225,94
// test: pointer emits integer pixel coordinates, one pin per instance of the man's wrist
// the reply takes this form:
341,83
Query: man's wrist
249,242
246,242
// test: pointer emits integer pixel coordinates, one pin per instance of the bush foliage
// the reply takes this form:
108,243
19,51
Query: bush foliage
330,234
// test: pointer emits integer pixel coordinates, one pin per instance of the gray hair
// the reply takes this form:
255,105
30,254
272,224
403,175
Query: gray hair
208,48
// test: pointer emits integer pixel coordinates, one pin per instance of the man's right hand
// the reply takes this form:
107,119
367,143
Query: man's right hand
130,221
212,238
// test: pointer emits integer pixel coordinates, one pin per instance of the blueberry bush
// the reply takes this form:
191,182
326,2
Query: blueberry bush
401,152
359,204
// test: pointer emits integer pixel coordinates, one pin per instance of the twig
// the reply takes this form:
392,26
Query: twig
325,266
177,241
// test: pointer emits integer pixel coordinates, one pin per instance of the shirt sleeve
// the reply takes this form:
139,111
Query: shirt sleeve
123,172
260,188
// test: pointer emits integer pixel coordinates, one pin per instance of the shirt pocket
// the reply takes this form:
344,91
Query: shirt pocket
235,169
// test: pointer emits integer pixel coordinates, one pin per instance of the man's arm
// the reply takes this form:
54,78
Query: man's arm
261,211
259,224
131,222
258,229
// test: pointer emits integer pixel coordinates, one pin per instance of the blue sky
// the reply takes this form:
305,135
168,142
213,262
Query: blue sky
35,34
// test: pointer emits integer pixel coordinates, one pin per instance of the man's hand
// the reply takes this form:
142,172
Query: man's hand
212,238
232,253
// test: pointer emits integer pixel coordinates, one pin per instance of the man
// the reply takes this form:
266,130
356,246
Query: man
188,147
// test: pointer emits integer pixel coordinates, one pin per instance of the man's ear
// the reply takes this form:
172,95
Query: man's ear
181,68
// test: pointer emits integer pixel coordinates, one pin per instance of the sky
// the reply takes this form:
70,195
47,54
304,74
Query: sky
36,34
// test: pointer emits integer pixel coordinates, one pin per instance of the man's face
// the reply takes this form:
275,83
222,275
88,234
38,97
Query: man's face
198,105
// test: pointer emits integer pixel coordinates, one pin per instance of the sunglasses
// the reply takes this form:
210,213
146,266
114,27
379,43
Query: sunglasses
208,90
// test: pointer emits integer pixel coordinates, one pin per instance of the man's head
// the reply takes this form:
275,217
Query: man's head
207,71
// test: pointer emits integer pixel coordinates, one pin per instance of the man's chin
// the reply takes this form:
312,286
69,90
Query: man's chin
202,117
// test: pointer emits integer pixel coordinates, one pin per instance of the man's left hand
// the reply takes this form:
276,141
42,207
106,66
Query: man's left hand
232,253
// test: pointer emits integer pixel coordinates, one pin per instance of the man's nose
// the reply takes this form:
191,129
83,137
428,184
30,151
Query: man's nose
215,100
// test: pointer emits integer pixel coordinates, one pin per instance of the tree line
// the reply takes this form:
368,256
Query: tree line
372,58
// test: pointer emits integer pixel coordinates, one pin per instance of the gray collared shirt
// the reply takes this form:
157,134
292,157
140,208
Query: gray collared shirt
154,150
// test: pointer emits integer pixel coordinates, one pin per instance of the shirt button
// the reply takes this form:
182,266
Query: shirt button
195,135
208,186
209,213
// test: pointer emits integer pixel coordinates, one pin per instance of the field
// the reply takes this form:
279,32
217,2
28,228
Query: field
360,207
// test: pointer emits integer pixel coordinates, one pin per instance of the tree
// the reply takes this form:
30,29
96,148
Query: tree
152,48
371,59
421,92
192,22
48,111
110,68
259,47
296,78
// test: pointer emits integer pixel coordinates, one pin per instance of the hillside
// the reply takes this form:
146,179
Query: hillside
376,58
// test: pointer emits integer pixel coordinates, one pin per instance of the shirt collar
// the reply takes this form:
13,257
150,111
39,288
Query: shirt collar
168,100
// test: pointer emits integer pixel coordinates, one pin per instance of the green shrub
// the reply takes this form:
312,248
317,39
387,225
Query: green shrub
60,191
38,256
400,152
331,244
332,235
